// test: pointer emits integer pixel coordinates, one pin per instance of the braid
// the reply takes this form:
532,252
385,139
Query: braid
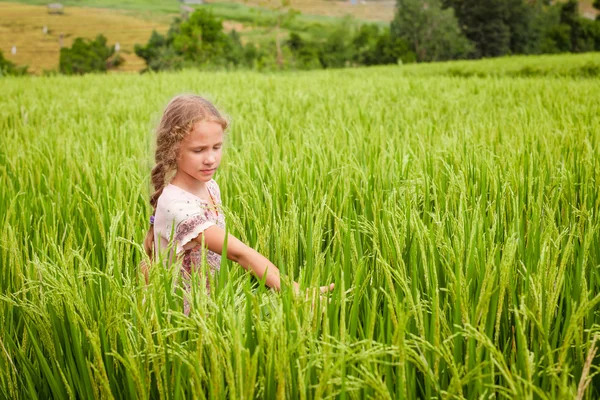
158,181
158,175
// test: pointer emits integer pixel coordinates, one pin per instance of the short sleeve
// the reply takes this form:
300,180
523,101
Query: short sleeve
189,219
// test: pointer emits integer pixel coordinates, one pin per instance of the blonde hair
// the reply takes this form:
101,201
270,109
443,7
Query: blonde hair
177,121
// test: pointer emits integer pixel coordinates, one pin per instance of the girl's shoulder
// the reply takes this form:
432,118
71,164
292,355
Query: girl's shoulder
214,184
169,195
214,187
173,194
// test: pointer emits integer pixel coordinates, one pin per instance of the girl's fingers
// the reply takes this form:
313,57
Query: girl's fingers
325,289
313,292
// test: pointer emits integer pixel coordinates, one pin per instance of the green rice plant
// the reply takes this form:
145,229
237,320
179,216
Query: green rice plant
458,217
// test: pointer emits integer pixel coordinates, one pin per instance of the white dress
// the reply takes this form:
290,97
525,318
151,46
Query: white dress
182,216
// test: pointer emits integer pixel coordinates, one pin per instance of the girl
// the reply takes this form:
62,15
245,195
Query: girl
187,208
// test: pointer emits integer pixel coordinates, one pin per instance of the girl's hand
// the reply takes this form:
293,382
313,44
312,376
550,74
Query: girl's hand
322,289
311,294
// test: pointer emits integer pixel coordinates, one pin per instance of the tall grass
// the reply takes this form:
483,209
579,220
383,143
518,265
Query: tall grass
458,218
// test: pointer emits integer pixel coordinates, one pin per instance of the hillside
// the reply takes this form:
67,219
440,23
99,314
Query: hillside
22,26
131,21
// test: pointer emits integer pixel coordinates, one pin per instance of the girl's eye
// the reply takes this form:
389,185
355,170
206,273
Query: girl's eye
217,147
198,151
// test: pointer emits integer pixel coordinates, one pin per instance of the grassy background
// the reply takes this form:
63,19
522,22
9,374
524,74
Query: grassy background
458,217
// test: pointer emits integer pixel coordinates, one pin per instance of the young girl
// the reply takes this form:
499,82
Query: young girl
187,207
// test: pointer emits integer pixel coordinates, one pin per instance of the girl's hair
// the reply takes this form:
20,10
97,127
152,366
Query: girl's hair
177,121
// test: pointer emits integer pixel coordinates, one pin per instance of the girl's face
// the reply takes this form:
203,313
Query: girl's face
200,151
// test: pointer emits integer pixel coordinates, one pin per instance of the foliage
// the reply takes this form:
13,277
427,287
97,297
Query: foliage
86,56
432,33
305,53
373,46
336,51
572,33
346,46
500,27
7,67
196,42
201,39
201,42
484,24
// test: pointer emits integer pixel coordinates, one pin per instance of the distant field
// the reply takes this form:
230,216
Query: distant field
132,21
370,10
22,26
380,10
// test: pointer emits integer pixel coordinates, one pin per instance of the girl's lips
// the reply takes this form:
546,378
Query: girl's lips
207,171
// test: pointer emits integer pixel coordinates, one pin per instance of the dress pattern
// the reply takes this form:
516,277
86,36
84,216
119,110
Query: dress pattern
184,216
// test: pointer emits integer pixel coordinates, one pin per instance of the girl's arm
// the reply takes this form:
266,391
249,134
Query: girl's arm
248,258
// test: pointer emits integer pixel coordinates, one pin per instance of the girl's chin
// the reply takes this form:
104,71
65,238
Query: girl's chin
206,175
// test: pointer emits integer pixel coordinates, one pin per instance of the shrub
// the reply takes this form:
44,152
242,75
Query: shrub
86,56
9,68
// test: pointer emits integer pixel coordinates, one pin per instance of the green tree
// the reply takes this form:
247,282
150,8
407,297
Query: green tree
391,50
305,53
432,33
7,67
364,43
337,50
282,15
86,56
201,38
373,47
196,42
557,39
484,24
499,27
522,22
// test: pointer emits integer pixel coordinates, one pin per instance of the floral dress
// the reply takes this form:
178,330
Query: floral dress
180,217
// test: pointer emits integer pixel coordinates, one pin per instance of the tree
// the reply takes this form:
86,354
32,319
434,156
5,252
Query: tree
305,53
484,24
373,47
391,50
521,22
86,56
364,43
198,41
337,50
433,34
9,68
283,15
201,38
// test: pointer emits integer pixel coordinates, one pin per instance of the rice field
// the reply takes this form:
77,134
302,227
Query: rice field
458,217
